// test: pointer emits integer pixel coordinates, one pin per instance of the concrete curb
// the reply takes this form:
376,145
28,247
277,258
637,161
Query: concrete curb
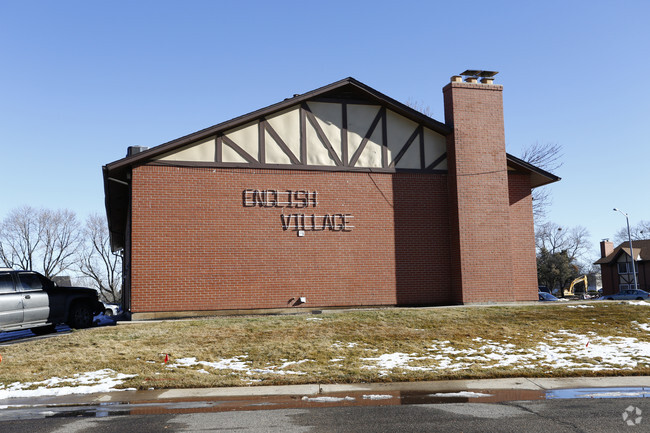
533,384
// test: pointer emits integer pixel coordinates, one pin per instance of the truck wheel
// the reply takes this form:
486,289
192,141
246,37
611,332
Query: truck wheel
81,316
43,330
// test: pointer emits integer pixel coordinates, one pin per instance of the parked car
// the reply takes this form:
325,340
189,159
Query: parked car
111,309
544,296
28,300
627,295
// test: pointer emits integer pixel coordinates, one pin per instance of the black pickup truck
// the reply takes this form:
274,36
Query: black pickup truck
28,300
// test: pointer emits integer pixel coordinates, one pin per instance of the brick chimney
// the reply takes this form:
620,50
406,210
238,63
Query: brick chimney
478,190
606,248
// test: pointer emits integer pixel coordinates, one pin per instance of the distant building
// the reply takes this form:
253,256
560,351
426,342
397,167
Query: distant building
616,266
337,197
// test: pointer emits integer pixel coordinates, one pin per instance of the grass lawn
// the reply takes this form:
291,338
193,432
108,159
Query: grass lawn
595,338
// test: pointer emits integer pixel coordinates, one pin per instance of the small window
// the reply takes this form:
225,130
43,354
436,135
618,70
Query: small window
6,283
30,282
626,268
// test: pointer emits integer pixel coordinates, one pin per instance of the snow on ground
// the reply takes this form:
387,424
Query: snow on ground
642,326
82,383
327,399
468,394
238,363
562,349
377,397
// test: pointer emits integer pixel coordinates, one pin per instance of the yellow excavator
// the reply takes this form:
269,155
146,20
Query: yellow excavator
570,291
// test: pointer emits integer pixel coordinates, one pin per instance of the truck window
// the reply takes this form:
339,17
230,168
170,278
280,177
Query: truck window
30,282
6,283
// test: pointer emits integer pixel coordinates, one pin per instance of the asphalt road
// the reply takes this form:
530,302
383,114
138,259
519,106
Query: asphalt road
573,415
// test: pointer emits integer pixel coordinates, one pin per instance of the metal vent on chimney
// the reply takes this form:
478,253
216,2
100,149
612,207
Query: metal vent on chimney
132,150
472,76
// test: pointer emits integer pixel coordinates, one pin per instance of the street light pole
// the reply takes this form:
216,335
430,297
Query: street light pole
629,238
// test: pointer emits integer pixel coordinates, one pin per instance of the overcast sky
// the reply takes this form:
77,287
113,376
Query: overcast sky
80,81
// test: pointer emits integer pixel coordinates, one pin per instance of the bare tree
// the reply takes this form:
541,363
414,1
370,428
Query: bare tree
561,254
555,239
60,240
39,239
419,106
98,263
20,237
637,232
547,157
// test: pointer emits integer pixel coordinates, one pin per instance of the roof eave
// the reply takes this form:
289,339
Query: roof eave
380,98
539,177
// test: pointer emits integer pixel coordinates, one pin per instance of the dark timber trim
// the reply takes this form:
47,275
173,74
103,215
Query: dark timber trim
362,146
423,161
437,162
280,142
257,166
321,134
261,136
384,139
406,147
303,136
239,150
219,148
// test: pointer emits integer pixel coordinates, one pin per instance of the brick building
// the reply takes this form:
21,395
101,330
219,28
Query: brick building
616,266
337,197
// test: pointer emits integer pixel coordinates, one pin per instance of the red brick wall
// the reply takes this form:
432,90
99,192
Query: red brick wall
196,247
478,190
610,279
522,241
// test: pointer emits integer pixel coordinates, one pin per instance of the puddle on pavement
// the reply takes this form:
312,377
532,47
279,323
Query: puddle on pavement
628,392
224,404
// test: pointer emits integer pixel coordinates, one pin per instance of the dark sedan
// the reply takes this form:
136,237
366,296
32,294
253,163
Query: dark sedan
629,294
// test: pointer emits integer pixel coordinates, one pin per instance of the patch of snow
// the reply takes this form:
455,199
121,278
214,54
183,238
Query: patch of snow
561,349
580,306
643,303
81,383
237,363
339,344
642,326
327,399
468,394
377,397
390,361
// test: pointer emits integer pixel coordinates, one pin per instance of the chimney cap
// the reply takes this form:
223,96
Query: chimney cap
132,150
478,73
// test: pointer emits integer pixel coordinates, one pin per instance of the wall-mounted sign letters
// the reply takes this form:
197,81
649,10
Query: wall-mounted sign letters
274,198
335,222
271,198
